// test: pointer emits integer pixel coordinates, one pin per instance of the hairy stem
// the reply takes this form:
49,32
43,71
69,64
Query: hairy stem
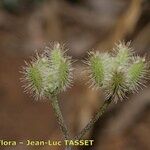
98,115
60,119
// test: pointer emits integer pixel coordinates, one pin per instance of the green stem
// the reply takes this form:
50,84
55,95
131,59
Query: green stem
60,119
97,116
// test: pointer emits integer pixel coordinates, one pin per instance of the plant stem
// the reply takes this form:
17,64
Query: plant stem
98,115
60,118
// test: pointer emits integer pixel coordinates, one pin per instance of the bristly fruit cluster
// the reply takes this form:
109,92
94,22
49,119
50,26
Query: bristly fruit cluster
119,72
116,73
48,73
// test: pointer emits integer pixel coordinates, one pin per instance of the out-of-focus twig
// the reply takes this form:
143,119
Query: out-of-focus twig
85,17
142,41
124,26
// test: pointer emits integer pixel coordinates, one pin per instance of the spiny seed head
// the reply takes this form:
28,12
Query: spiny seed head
122,54
33,76
98,66
137,73
116,84
50,73
118,73
61,66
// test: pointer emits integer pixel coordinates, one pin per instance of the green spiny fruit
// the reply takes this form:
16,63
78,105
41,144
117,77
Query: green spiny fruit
49,73
123,53
118,74
98,68
61,68
33,75
137,73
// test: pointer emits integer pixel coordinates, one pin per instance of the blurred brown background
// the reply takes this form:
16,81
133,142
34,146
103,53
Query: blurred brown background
83,25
